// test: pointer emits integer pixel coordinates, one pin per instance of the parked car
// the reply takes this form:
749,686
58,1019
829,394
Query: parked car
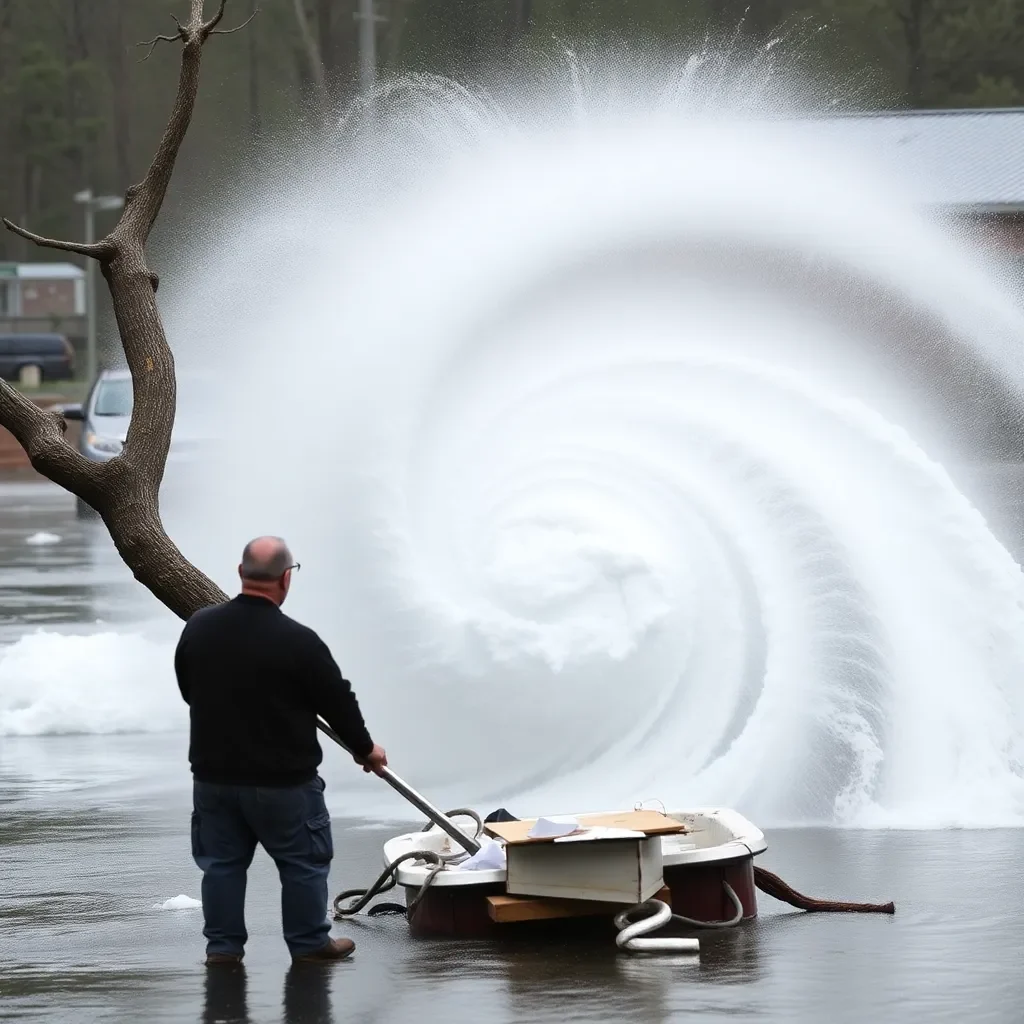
107,411
52,354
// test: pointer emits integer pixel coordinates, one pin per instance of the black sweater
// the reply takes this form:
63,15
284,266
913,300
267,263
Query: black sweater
255,680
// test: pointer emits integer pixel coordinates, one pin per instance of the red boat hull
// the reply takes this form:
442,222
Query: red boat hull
461,912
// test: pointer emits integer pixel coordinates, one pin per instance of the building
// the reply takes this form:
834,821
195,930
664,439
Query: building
966,165
43,297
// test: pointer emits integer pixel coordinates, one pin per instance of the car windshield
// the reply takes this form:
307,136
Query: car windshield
197,399
114,398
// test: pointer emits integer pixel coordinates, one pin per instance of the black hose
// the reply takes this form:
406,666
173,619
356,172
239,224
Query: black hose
388,880
461,812
389,877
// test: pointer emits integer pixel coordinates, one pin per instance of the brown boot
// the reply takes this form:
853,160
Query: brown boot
214,959
336,949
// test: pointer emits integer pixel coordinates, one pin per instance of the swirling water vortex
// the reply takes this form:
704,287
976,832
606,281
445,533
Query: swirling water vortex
622,486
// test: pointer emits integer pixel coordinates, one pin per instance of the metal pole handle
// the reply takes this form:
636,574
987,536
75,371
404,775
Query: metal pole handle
421,803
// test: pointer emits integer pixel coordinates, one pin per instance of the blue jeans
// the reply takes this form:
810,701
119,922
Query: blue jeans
293,825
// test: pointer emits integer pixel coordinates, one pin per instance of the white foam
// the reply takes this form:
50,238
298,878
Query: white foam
42,538
178,903
106,682
591,514
587,512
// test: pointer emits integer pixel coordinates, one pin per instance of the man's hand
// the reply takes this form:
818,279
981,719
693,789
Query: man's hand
374,761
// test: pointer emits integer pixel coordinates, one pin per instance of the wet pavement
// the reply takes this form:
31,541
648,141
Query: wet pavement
57,570
94,837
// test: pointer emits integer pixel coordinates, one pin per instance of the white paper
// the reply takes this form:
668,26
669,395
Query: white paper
490,857
546,828
602,832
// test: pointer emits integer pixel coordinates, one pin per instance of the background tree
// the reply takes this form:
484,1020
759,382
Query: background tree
77,109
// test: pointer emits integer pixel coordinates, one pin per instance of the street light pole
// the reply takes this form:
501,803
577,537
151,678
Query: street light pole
92,204
367,45
90,292
367,18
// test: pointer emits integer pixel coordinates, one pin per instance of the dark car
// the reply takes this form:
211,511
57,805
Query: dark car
51,353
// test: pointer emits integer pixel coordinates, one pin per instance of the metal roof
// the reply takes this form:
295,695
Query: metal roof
972,158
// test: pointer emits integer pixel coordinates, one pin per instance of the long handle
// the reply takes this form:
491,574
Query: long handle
439,818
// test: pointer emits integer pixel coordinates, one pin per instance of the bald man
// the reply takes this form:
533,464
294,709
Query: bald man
255,681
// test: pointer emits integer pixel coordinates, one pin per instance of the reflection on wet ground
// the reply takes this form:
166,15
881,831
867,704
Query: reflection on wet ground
90,856
57,569
94,838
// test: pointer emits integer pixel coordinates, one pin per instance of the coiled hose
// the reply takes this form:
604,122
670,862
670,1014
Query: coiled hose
389,876
657,914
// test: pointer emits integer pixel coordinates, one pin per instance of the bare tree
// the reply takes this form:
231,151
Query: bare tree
125,490
313,53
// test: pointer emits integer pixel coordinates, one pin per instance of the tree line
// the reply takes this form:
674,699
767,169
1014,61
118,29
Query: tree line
80,108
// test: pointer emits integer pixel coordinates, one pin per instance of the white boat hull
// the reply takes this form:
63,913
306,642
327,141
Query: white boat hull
715,853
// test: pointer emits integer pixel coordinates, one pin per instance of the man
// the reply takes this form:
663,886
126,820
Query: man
255,681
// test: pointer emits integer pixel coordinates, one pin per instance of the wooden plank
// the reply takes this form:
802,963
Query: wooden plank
651,823
512,909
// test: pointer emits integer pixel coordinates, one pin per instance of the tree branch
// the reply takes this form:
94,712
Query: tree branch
146,198
97,250
237,28
41,434
125,490
152,44
215,20
133,285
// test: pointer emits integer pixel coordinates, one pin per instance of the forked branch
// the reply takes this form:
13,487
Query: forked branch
95,250
152,44
125,490
237,28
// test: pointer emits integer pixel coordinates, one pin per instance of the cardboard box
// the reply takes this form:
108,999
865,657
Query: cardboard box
608,870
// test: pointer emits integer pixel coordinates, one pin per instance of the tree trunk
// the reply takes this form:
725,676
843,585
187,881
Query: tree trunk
125,491
314,57
138,534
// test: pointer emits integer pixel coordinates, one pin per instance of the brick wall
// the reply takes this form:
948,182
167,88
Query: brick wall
12,455
47,298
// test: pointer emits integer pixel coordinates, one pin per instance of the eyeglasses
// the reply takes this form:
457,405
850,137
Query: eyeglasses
297,566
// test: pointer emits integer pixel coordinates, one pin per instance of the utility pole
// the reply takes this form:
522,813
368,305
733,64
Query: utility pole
367,19
92,204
